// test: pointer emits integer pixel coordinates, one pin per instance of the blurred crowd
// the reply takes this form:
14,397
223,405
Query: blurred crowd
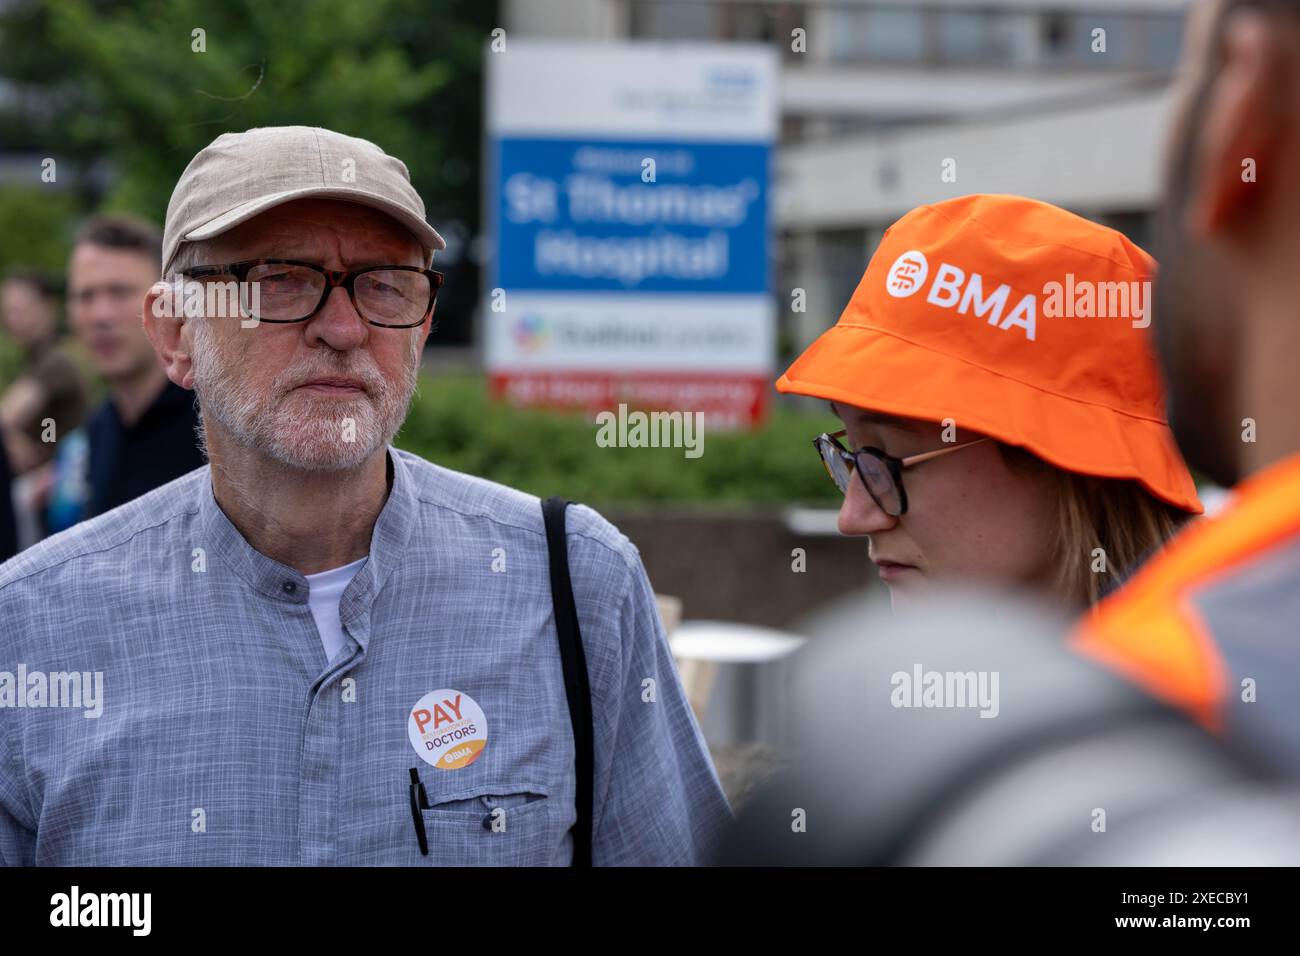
88,418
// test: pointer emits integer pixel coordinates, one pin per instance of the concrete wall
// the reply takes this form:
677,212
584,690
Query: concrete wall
589,19
737,566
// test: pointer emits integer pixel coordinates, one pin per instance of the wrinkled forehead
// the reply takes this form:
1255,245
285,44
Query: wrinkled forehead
331,232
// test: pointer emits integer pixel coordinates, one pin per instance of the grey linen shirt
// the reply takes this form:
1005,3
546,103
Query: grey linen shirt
223,735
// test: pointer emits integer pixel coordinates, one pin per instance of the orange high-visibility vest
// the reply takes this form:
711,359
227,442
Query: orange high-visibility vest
1212,624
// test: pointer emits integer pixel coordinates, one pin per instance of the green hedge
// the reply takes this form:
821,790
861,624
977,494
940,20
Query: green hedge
454,423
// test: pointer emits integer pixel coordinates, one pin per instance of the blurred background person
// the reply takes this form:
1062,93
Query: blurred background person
1063,475
143,435
49,384
49,390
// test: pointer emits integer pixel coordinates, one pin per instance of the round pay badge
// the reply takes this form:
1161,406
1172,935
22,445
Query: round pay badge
447,729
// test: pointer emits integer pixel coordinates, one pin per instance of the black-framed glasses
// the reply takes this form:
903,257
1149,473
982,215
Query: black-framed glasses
881,473
286,290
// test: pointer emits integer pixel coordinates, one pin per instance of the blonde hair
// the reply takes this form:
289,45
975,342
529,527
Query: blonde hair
1116,515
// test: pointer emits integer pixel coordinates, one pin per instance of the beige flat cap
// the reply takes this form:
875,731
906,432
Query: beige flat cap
239,175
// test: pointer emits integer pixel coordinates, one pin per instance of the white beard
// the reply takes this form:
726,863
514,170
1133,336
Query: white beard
295,428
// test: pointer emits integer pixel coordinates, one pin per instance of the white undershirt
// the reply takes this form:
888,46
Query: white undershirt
326,590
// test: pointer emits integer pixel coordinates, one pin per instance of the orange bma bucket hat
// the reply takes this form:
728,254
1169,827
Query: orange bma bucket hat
1013,318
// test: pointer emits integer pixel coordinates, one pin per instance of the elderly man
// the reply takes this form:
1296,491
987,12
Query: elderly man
319,649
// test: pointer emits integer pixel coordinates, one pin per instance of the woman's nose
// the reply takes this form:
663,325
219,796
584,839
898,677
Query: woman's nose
859,514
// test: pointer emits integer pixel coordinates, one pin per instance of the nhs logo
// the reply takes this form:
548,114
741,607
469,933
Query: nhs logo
952,288
733,79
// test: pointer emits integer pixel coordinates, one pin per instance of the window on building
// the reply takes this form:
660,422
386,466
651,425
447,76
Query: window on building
1164,41
887,34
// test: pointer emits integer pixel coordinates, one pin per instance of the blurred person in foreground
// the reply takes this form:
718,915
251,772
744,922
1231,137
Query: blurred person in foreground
1002,408
1210,625
145,432
45,403
340,652
966,734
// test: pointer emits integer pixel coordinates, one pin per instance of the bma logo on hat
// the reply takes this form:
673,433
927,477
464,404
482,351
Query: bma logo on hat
907,274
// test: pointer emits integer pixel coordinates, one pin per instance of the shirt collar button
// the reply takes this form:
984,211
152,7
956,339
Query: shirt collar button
288,587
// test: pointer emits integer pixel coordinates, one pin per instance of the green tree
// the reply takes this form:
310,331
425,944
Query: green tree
126,85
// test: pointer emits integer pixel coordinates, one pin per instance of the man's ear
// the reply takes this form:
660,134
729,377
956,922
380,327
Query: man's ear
163,321
426,329
1242,142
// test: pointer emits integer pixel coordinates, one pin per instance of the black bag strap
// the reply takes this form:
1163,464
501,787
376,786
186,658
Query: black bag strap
576,686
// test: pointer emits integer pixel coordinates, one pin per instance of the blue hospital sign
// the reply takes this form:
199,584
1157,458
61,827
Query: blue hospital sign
581,216
629,207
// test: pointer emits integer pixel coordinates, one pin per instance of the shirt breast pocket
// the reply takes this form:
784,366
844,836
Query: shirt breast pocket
503,825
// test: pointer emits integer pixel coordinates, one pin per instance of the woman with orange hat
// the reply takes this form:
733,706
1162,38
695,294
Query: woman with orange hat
1001,404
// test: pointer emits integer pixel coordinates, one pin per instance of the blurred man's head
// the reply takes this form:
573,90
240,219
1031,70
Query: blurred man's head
28,307
114,262
1230,232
